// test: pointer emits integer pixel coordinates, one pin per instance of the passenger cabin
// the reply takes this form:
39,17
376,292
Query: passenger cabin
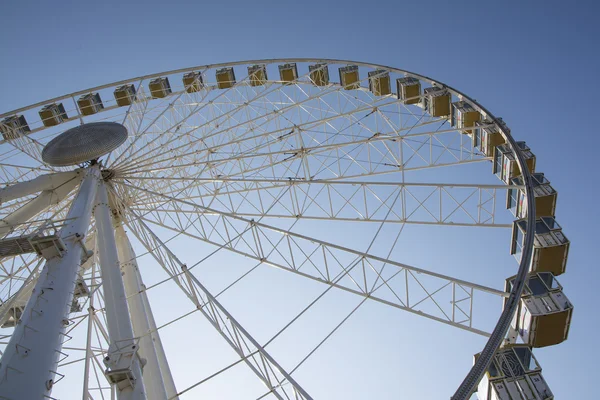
487,137
379,82
545,197
257,74
544,313
192,82
288,72
464,116
436,101
409,90
159,88
505,161
14,126
225,78
514,374
125,95
349,78
319,74
53,114
550,248
90,103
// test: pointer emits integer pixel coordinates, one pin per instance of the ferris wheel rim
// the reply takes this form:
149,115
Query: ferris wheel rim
502,325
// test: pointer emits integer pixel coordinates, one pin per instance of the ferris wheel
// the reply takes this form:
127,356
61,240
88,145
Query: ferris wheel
146,205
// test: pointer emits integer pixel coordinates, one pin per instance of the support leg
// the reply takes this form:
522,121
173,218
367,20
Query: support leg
157,374
28,366
124,366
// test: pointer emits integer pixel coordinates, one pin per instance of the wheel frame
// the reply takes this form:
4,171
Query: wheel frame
482,363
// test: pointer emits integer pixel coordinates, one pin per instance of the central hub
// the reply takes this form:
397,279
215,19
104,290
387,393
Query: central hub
84,143
107,174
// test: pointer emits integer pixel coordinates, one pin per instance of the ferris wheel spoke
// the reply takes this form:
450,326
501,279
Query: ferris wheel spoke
329,141
435,155
12,298
318,260
169,185
216,118
130,150
274,136
26,145
271,116
333,166
256,357
452,204
235,154
394,293
13,266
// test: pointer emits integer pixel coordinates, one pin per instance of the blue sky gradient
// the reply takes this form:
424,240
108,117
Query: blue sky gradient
534,63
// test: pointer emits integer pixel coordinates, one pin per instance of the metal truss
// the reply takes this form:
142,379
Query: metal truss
387,281
277,380
421,203
22,143
242,168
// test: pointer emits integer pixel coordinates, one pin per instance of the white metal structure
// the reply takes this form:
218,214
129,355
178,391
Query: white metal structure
262,169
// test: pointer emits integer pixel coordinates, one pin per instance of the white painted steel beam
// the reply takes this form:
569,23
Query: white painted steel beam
156,372
279,382
37,205
321,261
42,182
28,366
123,348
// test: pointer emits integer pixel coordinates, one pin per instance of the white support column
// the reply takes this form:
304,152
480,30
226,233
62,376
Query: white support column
165,370
42,182
35,206
157,374
124,365
28,366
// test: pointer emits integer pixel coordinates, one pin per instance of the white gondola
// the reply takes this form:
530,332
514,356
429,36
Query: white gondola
514,374
550,248
487,137
464,116
409,90
505,163
544,314
545,197
436,101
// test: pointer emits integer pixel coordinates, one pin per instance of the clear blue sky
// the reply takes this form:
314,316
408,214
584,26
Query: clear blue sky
535,63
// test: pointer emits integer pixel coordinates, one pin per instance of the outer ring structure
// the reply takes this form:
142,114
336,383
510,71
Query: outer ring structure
469,384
